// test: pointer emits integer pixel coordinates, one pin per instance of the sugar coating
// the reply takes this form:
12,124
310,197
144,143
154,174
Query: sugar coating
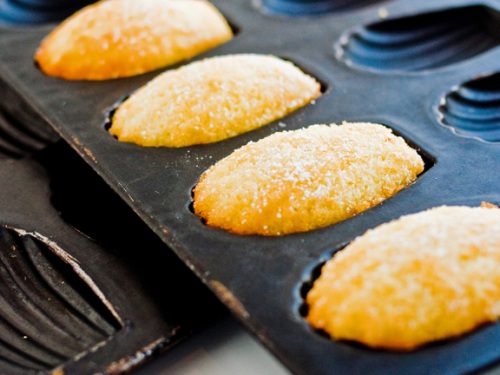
213,99
421,278
121,38
305,179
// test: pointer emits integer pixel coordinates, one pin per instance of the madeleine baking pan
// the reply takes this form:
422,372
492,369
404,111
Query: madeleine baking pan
77,295
428,70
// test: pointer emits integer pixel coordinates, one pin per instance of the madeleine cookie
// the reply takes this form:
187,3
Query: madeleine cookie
305,179
424,277
213,99
121,38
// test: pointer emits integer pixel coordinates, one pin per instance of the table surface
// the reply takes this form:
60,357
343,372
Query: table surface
224,348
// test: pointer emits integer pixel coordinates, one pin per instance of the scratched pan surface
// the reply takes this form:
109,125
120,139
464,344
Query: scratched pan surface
426,69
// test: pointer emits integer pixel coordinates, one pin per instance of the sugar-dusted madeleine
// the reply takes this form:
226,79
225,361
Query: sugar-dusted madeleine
421,278
305,179
213,99
121,38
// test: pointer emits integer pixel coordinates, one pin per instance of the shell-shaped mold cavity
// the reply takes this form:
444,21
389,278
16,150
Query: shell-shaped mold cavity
19,12
473,110
48,314
312,7
424,41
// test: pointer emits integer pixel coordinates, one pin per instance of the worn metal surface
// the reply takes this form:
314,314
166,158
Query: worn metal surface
259,278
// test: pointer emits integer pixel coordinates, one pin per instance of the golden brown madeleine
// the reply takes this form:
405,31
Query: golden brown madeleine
213,99
305,179
121,38
424,277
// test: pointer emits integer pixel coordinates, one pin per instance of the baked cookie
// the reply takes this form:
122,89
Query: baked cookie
121,38
213,99
421,278
305,179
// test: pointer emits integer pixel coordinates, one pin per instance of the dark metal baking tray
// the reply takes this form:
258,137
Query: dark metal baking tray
85,286
262,279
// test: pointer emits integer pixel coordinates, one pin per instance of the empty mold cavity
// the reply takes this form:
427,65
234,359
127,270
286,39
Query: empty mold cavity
424,41
312,7
48,313
28,12
473,109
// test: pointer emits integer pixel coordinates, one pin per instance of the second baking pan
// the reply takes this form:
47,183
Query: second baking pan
76,295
